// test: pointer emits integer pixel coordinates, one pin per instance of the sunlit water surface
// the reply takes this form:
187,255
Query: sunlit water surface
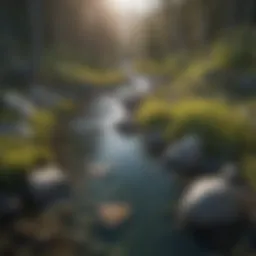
136,179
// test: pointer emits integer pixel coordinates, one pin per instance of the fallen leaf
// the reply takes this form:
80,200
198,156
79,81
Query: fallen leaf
114,214
99,170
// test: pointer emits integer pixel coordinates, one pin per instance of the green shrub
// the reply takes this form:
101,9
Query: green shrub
17,151
154,113
79,73
222,126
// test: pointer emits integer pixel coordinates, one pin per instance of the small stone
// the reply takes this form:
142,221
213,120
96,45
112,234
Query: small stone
99,170
114,214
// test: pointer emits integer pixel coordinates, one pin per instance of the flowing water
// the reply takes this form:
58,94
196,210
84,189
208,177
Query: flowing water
133,178
138,180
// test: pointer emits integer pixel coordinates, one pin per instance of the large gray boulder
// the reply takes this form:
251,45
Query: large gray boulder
209,200
184,156
211,210
155,143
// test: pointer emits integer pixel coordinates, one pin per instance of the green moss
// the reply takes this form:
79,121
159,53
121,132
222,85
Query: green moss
21,152
221,125
169,66
18,151
26,156
76,72
154,113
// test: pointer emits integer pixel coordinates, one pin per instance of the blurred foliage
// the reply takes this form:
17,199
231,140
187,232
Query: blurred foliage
225,123
8,115
85,74
42,123
66,105
249,164
222,126
236,50
207,71
25,155
19,151
154,113
167,66
76,72
187,75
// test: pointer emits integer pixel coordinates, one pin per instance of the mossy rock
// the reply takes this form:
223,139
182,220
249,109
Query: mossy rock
222,126
154,114
25,156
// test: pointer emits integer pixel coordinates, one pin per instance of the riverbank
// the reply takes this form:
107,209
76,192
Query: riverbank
46,228
210,91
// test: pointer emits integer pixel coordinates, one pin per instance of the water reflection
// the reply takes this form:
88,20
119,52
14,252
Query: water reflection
109,111
137,180
133,179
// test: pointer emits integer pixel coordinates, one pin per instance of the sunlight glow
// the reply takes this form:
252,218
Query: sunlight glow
131,12
134,6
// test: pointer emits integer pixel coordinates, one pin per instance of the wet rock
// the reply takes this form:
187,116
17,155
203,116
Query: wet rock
23,193
132,101
155,143
185,156
232,174
9,204
127,126
205,190
48,185
210,211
